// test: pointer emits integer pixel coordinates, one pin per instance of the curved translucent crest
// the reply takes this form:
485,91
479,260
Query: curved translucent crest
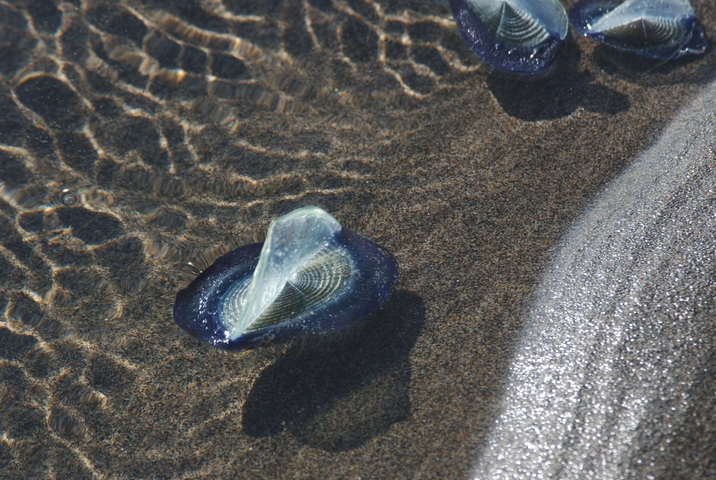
649,14
292,242
522,22
321,280
644,32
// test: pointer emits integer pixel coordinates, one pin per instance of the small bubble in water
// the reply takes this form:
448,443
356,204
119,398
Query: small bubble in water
69,198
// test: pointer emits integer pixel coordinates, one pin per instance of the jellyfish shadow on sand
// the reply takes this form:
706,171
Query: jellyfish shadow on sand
632,67
556,93
339,393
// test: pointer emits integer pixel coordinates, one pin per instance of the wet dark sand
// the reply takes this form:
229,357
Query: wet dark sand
469,176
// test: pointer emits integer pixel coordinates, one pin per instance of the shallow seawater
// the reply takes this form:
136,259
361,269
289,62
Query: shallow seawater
140,141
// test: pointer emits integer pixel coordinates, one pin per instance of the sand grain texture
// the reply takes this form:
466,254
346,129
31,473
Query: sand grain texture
183,130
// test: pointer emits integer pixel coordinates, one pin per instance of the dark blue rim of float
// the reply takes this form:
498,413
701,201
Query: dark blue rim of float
377,269
511,58
584,11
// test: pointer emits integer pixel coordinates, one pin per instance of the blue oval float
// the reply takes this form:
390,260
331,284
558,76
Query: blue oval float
310,276
516,35
658,29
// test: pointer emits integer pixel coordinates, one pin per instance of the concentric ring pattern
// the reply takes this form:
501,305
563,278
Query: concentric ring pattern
327,276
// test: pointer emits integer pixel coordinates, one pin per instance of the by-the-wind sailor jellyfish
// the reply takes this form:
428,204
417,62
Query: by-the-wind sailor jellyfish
516,35
310,276
658,29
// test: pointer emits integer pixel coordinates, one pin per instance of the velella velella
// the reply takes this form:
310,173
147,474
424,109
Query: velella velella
310,276
658,29
516,35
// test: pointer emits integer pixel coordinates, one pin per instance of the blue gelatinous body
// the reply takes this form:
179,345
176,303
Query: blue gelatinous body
311,276
516,35
658,29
